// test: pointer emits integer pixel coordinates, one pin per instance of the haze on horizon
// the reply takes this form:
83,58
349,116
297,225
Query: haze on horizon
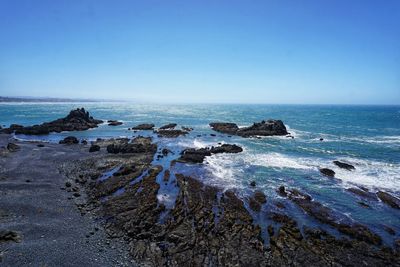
296,52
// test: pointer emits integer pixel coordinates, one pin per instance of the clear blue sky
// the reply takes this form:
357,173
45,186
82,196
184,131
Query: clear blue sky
322,51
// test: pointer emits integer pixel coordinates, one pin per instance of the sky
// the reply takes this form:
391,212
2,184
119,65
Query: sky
281,51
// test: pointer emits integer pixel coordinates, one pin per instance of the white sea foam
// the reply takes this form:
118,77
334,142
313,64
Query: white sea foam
228,168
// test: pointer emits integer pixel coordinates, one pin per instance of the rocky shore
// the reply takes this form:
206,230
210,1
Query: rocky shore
102,204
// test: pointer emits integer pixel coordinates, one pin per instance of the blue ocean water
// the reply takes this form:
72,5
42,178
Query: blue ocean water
366,136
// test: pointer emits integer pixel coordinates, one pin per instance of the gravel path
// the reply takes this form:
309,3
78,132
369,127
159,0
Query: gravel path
34,204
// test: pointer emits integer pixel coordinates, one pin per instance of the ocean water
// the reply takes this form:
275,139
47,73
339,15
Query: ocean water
366,136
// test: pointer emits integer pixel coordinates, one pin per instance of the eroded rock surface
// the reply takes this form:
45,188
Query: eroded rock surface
77,120
192,155
263,128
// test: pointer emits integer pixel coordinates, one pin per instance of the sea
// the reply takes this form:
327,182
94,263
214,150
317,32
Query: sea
367,137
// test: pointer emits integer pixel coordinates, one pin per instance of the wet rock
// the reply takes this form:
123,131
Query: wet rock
362,193
270,230
139,145
187,129
364,205
40,145
389,229
114,123
165,152
254,205
125,170
192,155
282,191
77,120
327,172
11,129
223,127
260,197
7,236
282,218
344,165
68,184
144,126
94,148
170,133
168,126
387,198
69,140
167,175
263,128
253,183
12,147
327,216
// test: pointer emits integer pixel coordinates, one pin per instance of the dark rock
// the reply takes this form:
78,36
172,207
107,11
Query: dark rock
260,197
170,133
282,218
144,126
168,126
187,129
68,184
364,205
253,183
77,120
270,230
69,140
165,151
139,145
344,165
362,193
40,145
192,155
327,216
387,198
282,191
327,172
254,205
114,123
389,229
167,175
321,139
12,147
7,235
94,148
84,142
125,170
76,194
264,128
223,127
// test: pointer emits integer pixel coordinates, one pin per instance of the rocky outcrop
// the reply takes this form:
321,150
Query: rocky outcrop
192,155
327,172
387,198
12,147
170,133
328,216
144,126
168,126
344,165
69,140
7,236
94,148
263,128
77,120
139,145
114,122
363,193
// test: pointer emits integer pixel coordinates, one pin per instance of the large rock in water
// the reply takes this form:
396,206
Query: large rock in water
263,128
77,120
192,155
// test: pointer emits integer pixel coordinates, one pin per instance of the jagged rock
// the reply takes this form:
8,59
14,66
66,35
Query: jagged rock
168,126
344,165
69,140
387,198
77,120
94,148
170,133
144,126
327,172
139,145
114,123
327,216
362,193
166,151
12,147
7,236
264,128
192,155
